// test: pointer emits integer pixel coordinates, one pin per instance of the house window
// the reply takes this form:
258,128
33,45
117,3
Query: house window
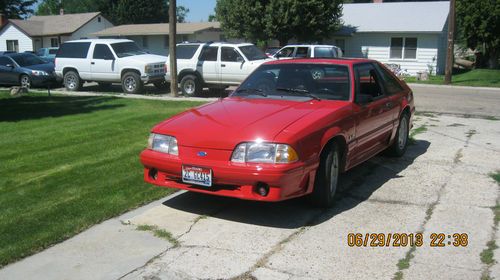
13,45
54,42
165,42
403,48
145,41
98,19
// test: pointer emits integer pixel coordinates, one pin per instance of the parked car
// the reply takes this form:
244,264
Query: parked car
107,61
270,51
308,51
288,130
26,70
48,54
215,65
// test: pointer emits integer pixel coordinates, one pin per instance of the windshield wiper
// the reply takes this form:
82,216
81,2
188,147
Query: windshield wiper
252,90
304,92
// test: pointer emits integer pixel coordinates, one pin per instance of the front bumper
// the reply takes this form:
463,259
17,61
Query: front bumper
285,181
153,78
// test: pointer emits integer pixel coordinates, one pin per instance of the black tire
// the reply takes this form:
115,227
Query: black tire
162,85
132,83
72,81
327,178
191,85
398,147
25,81
104,85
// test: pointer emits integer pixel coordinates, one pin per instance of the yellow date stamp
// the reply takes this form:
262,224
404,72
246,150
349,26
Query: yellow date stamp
407,239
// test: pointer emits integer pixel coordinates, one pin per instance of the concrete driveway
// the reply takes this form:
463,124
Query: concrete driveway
441,185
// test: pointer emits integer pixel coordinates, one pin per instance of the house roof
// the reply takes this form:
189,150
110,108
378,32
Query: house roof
396,17
156,29
53,25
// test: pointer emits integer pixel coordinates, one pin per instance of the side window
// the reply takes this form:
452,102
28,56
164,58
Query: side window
302,52
4,61
230,55
392,86
367,81
74,50
324,52
209,54
286,52
102,51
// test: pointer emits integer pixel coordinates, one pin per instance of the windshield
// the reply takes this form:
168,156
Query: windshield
251,52
289,81
27,59
127,49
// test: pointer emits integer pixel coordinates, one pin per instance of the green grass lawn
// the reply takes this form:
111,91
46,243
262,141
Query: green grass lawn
476,77
67,163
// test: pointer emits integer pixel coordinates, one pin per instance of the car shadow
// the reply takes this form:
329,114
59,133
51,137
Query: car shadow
295,213
37,107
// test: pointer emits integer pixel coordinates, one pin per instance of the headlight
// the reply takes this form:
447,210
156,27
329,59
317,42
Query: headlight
148,68
39,73
163,143
264,153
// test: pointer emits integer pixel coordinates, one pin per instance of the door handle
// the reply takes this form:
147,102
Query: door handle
223,65
92,63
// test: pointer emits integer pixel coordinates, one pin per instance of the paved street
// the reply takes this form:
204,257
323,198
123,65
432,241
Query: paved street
441,185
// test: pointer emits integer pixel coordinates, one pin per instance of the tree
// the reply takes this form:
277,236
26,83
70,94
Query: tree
117,11
16,8
262,20
478,24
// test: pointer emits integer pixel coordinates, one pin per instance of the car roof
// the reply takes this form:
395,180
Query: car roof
339,61
216,44
309,45
105,41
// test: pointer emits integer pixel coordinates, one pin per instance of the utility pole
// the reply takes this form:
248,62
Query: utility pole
172,34
451,41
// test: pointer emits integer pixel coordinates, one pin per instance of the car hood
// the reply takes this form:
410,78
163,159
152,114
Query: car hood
225,123
47,67
145,58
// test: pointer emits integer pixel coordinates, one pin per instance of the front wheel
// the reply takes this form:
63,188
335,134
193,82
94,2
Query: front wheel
398,147
132,83
327,178
191,86
25,81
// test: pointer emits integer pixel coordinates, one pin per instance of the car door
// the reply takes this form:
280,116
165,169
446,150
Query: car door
373,112
102,64
233,66
7,74
208,64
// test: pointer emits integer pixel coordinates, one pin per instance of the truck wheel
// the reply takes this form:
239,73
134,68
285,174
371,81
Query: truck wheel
161,85
72,81
132,83
191,85
327,179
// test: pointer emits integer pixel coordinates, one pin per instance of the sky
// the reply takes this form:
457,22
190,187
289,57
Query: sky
198,9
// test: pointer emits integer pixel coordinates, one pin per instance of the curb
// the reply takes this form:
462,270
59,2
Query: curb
454,87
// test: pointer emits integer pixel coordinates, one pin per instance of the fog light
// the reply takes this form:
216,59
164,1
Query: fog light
153,174
262,189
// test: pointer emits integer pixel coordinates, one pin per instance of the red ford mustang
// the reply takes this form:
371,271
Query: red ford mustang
289,130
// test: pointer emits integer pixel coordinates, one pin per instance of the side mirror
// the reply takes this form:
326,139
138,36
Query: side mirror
363,99
240,59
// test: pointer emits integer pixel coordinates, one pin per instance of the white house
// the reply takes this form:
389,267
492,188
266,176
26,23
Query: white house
154,37
410,34
49,31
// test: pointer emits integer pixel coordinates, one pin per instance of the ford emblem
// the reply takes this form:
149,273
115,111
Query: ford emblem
202,154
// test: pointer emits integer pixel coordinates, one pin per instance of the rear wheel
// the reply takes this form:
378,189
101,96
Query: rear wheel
398,148
72,81
25,81
191,85
327,178
132,83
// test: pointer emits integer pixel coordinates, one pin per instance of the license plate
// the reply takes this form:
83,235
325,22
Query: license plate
197,175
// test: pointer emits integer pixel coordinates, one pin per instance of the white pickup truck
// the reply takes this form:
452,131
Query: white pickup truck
109,61
215,65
